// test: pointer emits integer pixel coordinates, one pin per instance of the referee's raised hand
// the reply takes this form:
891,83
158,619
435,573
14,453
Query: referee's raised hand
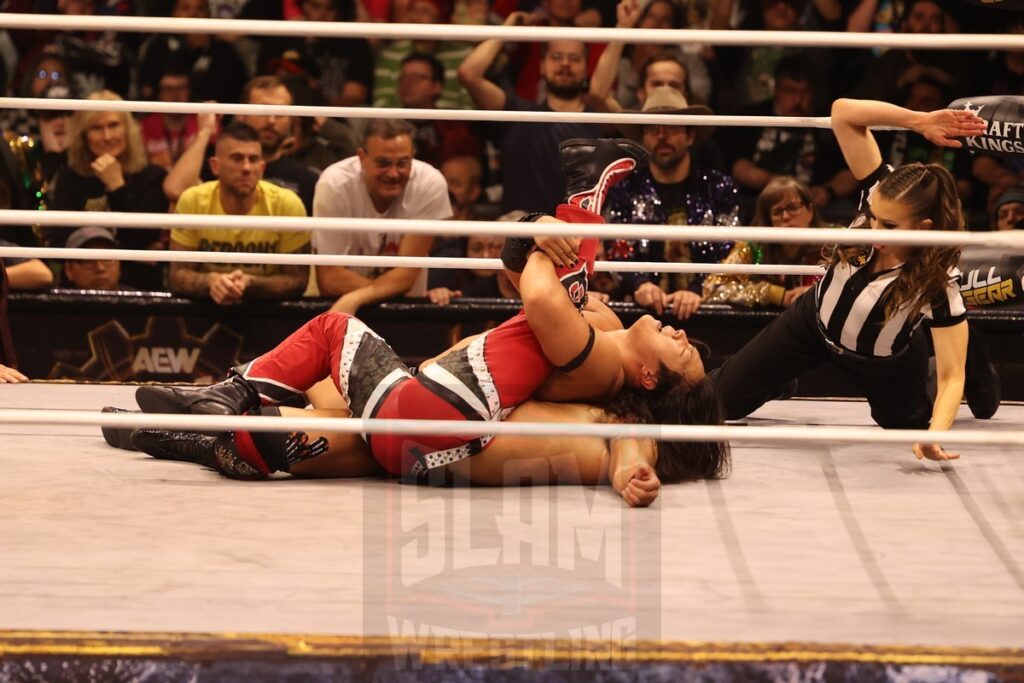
933,451
945,126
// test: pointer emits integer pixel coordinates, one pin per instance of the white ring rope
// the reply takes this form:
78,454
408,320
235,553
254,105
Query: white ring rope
352,261
530,34
745,434
1011,240
31,103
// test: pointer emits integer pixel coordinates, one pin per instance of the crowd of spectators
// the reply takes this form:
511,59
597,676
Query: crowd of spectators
257,164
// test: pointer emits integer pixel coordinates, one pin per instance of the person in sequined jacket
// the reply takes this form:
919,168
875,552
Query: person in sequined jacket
785,202
673,191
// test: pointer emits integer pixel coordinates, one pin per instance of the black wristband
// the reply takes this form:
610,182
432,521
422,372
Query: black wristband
515,252
532,217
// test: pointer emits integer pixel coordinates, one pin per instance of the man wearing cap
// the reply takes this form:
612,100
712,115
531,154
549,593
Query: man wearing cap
1008,213
674,190
98,274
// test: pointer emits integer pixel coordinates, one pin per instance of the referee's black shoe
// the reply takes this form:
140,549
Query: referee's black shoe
983,388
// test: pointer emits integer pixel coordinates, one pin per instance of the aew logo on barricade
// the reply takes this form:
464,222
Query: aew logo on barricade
163,351
163,360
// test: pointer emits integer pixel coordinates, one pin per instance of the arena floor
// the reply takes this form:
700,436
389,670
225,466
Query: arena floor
856,545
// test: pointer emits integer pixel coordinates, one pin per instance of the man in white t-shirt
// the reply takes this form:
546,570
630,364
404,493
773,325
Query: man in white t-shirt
381,181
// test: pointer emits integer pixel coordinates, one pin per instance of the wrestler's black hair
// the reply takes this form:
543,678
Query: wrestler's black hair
674,402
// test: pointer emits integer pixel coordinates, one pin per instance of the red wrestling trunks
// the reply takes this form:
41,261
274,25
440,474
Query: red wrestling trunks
483,381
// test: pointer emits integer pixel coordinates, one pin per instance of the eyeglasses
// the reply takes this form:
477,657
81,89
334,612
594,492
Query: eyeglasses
43,74
794,208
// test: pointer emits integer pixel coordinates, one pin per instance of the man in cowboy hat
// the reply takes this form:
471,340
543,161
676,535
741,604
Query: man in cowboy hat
676,189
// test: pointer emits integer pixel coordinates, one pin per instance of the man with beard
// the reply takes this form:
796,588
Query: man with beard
532,176
677,190
239,191
382,181
275,137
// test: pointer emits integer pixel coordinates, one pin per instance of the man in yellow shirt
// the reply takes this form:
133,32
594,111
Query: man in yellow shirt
239,191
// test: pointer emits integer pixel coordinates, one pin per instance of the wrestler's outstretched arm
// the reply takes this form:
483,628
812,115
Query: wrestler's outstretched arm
631,471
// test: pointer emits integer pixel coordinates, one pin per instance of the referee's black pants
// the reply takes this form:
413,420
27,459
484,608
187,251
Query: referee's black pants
793,344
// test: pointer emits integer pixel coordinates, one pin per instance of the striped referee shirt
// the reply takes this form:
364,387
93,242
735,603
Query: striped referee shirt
851,299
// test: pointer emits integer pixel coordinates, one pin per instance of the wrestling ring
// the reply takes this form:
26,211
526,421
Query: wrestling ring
829,553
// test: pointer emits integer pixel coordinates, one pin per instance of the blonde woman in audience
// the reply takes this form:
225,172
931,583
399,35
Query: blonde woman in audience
107,170
784,203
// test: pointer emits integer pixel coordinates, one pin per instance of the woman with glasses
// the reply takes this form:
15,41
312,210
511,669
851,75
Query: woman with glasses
41,73
865,315
785,202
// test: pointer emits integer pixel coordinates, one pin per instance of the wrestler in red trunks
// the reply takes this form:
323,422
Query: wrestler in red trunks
482,381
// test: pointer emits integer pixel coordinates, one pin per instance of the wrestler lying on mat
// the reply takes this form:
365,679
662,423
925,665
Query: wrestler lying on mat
647,373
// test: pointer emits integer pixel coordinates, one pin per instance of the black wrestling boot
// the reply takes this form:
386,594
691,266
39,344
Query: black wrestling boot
216,451
181,446
233,396
118,437
592,167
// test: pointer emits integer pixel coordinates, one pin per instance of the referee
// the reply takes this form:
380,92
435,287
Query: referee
863,314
